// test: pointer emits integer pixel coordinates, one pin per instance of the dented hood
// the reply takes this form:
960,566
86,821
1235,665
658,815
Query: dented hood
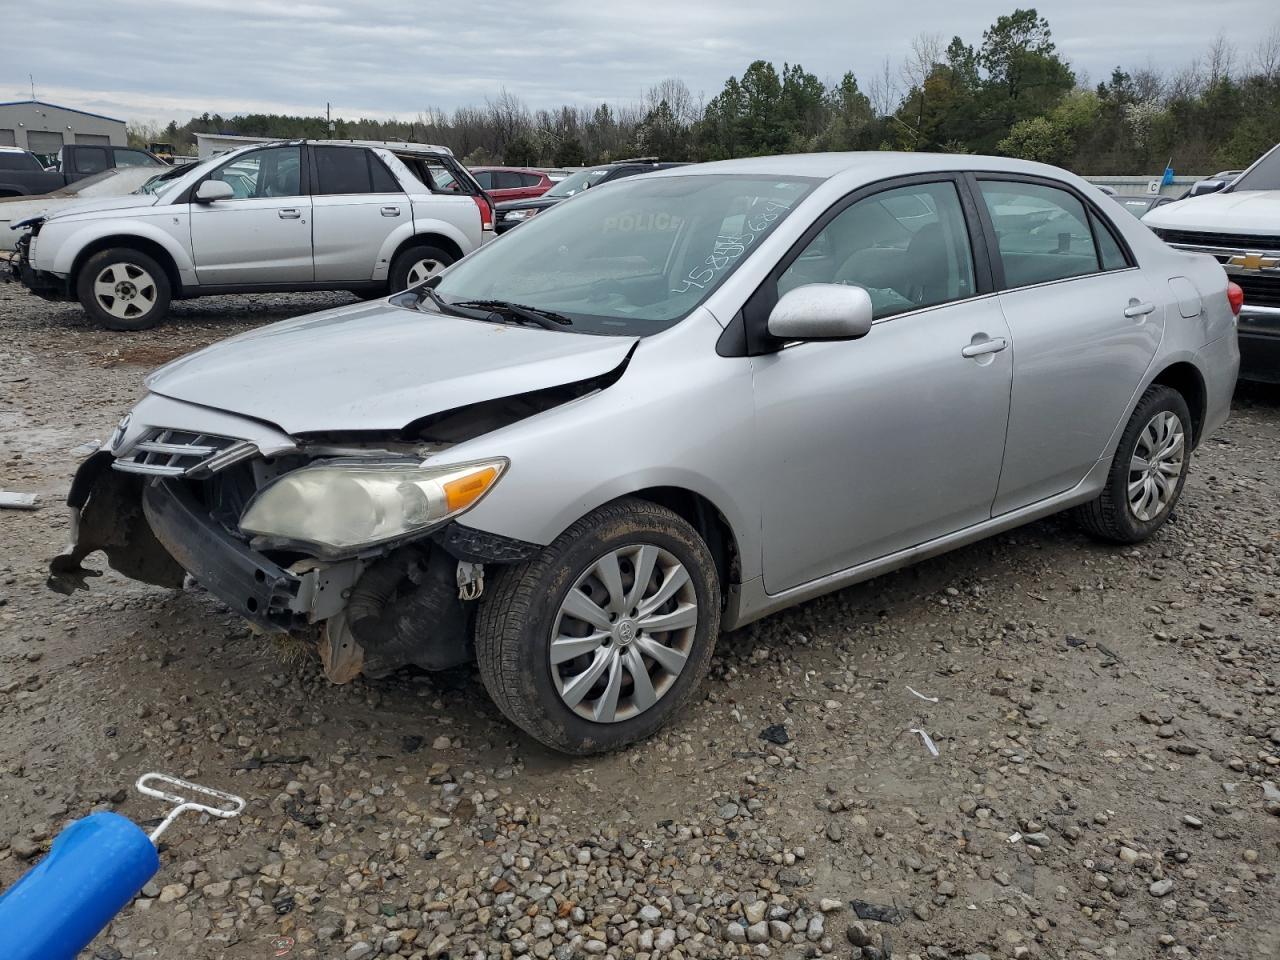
379,367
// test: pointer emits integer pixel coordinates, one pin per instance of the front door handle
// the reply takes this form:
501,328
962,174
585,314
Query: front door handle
1137,309
391,211
984,347
289,214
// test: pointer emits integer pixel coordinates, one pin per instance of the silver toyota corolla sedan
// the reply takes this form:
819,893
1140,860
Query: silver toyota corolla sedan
665,409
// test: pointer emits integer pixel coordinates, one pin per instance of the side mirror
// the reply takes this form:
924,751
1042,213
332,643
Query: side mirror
1201,187
212,190
822,311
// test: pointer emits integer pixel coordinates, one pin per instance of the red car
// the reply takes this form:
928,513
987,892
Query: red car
512,183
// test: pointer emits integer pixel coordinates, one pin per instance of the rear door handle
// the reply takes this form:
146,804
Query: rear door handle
994,345
391,211
289,214
1136,309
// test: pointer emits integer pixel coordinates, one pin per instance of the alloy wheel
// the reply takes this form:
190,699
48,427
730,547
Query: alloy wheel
423,270
1156,466
623,633
125,290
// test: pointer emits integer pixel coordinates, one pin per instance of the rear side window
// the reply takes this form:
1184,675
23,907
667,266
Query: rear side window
1110,256
383,181
1043,232
530,179
507,180
132,158
342,170
91,160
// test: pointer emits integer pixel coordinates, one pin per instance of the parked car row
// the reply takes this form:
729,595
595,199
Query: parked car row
667,408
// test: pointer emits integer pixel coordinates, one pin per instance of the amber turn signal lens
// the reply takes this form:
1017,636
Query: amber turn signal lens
461,493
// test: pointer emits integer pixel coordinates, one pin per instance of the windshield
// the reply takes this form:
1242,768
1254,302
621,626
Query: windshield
633,259
576,183
1263,175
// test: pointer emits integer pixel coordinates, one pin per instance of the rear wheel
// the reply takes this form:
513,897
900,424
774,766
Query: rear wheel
416,265
123,289
1148,473
600,640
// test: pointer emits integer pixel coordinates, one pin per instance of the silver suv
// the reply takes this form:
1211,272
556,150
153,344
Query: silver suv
669,408
367,217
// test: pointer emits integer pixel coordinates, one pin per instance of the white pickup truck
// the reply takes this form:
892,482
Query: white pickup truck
1239,225
290,215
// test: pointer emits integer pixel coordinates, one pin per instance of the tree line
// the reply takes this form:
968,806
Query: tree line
1011,93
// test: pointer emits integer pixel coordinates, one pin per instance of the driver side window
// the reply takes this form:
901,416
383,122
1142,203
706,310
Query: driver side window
908,247
275,172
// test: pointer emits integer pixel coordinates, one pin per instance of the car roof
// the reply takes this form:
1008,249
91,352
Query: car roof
871,165
509,169
403,146
8,149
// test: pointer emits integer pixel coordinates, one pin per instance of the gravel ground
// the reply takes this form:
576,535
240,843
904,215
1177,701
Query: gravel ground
1106,720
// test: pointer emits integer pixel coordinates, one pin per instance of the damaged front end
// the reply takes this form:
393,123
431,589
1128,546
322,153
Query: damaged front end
163,505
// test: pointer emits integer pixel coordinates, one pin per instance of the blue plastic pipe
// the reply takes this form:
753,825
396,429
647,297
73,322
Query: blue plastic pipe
94,868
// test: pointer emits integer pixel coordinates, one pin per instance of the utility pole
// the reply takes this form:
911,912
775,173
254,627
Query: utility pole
33,85
328,115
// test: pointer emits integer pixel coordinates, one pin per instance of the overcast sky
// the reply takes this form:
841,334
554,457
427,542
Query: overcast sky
157,60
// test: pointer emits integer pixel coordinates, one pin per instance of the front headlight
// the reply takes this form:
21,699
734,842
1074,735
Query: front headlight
337,506
518,214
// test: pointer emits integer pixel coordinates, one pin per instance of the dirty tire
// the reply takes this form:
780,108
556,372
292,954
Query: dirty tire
519,610
398,278
151,299
1109,516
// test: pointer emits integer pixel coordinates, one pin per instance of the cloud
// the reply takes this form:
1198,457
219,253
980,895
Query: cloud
157,60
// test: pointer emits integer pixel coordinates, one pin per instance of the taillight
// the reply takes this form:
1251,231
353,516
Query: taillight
486,211
1235,297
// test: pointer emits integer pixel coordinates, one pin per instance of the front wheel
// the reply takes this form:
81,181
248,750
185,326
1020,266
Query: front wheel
1148,473
600,639
123,289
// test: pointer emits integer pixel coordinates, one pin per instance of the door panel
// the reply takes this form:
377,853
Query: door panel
357,204
872,446
263,234
1085,328
1077,361
349,231
265,240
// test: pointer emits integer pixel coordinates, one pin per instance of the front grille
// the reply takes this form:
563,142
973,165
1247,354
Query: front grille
1229,241
179,453
1259,291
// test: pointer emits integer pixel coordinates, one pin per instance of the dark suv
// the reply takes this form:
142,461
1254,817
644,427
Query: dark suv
516,212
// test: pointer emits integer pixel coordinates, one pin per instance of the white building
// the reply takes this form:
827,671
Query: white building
44,128
211,144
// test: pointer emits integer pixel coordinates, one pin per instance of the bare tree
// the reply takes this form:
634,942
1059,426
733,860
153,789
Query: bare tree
1222,59
1148,83
926,51
1266,56
676,93
882,90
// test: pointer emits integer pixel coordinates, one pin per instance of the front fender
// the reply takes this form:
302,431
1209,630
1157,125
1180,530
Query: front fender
679,416
61,244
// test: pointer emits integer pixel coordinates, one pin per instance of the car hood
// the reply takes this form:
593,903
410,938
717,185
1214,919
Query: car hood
535,203
75,208
1246,211
379,367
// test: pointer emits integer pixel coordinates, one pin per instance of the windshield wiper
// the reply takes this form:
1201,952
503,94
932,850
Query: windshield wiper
518,312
